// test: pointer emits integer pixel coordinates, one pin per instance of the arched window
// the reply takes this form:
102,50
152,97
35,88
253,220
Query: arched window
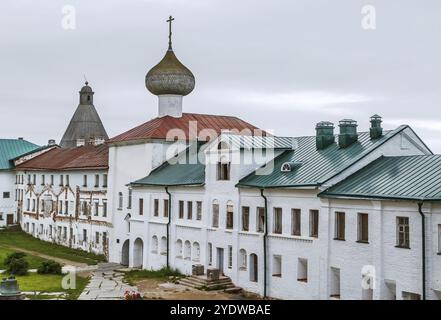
196,252
127,219
179,249
163,245
242,259
187,250
223,145
154,244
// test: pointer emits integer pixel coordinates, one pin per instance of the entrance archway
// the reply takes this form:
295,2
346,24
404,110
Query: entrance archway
254,268
125,253
138,248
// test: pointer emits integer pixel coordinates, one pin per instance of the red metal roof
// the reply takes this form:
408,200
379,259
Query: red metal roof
158,128
80,158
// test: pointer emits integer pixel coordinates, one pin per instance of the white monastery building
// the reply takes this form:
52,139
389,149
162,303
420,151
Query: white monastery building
339,215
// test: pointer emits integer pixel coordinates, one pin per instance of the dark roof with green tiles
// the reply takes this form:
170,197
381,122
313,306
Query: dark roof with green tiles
189,173
400,178
314,167
11,149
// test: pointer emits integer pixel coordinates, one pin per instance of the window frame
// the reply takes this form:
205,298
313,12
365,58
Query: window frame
296,222
339,225
362,234
405,232
277,220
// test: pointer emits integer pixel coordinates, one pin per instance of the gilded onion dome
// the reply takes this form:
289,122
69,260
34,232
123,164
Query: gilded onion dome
170,76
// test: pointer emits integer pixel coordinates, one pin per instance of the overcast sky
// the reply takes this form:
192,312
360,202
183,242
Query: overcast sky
282,65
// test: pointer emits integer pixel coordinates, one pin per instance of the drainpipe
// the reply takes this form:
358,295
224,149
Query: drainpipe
168,226
423,233
265,234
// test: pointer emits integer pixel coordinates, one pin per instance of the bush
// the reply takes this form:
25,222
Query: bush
49,267
18,267
13,256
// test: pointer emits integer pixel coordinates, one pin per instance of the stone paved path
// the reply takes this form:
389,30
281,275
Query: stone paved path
106,284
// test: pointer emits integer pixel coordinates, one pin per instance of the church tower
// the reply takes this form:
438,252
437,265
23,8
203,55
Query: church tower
170,80
85,127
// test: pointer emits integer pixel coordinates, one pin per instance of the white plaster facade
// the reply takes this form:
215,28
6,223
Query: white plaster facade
66,208
298,266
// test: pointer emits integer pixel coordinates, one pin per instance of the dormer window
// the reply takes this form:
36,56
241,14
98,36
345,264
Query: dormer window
286,167
290,166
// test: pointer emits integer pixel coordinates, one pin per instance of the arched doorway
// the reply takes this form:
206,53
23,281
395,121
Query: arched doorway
125,253
254,268
138,249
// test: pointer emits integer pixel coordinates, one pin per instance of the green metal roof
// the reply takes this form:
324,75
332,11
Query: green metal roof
179,174
258,142
404,177
11,149
315,166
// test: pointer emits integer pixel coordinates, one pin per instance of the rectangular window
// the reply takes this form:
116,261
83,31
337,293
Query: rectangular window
61,181
85,180
313,223
181,209
129,199
97,180
60,207
403,232
29,179
260,223
33,205
104,208
141,206
105,180
230,257
84,235
67,180
223,171
245,218
156,207
363,227
97,237
277,266
302,270
189,210
230,214
52,179
43,178
66,207
6,195
277,220
339,227
215,222
166,208
28,205
34,179
439,238
296,216
210,254
96,204
64,233
104,238
120,200
198,210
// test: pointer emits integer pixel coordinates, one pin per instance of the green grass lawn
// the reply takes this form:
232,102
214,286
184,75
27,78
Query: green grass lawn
163,274
45,283
25,241
34,261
